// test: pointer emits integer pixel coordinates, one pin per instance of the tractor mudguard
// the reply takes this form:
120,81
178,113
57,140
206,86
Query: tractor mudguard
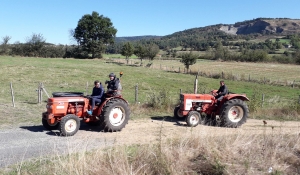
105,101
236,96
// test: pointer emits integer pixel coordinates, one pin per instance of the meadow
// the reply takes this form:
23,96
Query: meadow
191,154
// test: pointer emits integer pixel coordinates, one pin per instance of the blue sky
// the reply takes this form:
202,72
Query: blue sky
55,18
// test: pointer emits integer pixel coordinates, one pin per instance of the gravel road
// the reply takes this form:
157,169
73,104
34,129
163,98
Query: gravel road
20,144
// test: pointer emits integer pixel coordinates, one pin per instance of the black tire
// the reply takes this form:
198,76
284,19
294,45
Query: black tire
115,115
193,118
69,125
96,123
67,94
49,126
177,114
234,113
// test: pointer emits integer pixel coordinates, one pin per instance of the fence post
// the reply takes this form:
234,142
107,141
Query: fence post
222,75
293,84
180,91
39,93
196,85
43,89
249,78
12,94
179,69
262,99
136,93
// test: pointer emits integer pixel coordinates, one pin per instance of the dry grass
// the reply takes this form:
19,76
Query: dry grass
205,152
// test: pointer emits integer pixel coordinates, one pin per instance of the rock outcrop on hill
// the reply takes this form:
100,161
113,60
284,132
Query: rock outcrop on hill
264,26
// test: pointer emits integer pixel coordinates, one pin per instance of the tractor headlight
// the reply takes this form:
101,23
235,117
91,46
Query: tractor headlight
49,106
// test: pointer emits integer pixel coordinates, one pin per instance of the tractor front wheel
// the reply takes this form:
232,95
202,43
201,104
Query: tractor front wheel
177,114
50,126
234,113
69,125
193,118
115,115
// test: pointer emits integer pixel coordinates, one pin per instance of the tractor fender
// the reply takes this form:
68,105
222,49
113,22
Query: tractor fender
237,96
106,100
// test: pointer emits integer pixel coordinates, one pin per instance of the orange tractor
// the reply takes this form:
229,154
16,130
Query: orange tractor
196,109
65,110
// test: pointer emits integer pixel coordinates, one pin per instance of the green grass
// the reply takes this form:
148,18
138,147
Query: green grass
63,75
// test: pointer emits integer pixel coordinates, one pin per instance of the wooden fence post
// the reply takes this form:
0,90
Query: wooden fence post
293,84
262,99
136,93
196,85
12,94
39,93
43,89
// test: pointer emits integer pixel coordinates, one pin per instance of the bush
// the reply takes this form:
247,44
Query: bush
160,100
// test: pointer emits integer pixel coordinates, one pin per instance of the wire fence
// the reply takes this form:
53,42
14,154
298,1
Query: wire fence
214,74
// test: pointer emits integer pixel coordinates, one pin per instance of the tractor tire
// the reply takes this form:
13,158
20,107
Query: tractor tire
49,126
96,123
177,115
69,125
193,118
234,113
115,115
67,94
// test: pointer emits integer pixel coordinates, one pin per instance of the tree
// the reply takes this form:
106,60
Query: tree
34,44
4,45
127,50
140,51
151,51
94,32
188,59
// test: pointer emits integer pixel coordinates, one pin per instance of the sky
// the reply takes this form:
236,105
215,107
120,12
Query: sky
53,19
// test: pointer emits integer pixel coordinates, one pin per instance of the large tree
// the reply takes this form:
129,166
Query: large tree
94,32
152,51
127,50
188,59
141,52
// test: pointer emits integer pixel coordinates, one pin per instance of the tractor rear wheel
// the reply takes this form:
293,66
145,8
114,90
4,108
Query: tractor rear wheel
193,118
69,125
115,115
50,126
234,113
177,114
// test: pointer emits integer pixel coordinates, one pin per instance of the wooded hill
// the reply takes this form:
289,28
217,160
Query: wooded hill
256,27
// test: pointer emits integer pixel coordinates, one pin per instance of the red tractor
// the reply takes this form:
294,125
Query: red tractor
196,109
65,110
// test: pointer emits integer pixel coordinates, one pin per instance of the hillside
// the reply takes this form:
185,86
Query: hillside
268,26
261,26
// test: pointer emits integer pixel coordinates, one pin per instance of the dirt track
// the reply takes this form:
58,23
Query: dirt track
27,142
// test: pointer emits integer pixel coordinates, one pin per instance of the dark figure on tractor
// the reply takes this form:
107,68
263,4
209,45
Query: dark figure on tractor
96,96
221,92
113,85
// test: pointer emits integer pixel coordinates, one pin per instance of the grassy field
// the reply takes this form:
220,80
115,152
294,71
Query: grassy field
64,75
237,154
